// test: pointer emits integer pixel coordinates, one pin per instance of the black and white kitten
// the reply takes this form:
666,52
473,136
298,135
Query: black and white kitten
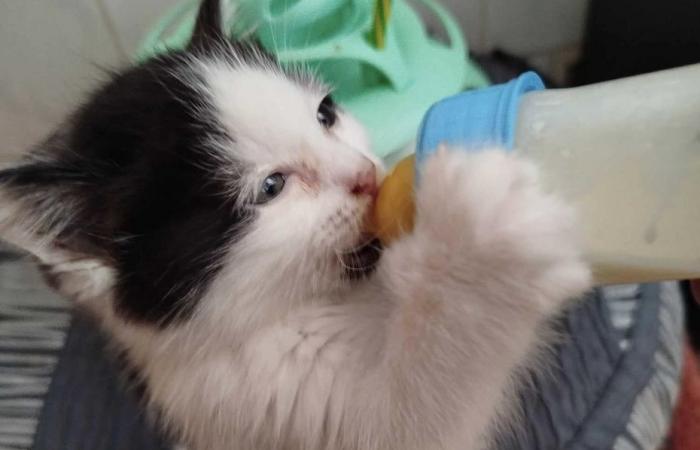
208,208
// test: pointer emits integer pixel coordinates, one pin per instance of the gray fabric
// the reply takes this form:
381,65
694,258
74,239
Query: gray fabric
88,406
58,390
606,374
33,323
653,409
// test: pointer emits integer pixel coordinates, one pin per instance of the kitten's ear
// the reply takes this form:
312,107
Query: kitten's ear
43,211
39,207
208,30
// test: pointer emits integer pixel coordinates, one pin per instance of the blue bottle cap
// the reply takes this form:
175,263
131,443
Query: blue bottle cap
476,119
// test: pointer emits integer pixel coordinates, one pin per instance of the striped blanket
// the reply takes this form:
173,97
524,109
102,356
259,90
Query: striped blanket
613,383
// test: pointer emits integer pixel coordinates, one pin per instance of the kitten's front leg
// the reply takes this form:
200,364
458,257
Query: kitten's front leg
491,258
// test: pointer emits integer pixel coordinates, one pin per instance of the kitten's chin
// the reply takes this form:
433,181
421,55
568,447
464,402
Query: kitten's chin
361,261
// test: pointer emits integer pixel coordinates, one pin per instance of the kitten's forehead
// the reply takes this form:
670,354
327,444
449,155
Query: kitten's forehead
263,109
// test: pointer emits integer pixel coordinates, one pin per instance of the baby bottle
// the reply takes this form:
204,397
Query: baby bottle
625,153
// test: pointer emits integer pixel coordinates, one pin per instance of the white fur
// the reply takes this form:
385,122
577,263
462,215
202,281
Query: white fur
273,123
283,355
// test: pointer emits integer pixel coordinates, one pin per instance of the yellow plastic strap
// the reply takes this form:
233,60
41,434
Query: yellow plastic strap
382,13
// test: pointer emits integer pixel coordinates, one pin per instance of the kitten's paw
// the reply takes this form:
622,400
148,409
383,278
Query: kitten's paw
478,196
489,206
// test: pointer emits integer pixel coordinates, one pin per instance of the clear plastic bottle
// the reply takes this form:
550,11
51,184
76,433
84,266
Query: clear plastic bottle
625,153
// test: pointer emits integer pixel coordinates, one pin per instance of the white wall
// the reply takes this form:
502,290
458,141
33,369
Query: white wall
52,51
523,27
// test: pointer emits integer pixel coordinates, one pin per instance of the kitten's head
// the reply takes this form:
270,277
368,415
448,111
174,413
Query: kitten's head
210,167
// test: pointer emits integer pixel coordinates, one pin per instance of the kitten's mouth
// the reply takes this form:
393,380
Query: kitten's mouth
362,260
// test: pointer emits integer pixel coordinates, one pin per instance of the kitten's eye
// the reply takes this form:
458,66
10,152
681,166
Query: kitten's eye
271,188
326,114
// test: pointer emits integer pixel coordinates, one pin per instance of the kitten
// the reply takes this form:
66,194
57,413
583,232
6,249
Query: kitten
208,208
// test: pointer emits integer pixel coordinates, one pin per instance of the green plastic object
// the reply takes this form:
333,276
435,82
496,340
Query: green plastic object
388,90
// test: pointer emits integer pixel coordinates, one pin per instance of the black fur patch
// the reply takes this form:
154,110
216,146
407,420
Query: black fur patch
176,222
130,179
134,168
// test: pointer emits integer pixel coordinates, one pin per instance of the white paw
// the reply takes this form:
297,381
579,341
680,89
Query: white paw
489,206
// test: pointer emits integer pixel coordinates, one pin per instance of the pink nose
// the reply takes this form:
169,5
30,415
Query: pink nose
364,182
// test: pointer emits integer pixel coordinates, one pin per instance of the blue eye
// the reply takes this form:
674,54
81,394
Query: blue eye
326,114
270,188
